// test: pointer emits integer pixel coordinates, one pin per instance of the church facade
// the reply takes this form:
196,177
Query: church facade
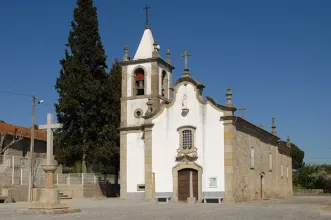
178,145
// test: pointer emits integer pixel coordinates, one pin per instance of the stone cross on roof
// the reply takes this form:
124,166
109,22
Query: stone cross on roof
273,126
186,70
49,128
242,109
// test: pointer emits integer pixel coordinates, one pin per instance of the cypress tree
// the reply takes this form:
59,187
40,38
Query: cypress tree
84,103
106,157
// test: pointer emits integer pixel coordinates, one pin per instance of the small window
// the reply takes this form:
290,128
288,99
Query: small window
141,187
287,171
281,170
252,157
138,113
270,161
187,139
139,75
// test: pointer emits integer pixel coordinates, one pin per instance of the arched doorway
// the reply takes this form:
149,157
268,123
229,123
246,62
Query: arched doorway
262,182
180,169
187,181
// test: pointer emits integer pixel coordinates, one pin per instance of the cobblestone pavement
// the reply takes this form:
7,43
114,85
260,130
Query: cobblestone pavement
295,208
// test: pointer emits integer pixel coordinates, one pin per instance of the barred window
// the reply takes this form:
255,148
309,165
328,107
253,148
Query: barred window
187,139
270,161
252,157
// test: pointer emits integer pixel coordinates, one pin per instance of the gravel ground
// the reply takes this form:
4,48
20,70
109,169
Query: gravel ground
295,208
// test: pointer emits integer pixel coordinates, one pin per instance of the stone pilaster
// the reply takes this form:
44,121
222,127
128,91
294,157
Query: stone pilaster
124,95
148,163
155,86
229,133
123,164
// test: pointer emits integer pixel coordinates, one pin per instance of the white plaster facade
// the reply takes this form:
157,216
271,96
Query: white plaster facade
209,139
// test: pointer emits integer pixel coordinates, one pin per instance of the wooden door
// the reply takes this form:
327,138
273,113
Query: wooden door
195,183
184,184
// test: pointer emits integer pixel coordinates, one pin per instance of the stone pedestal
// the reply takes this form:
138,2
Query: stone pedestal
49,202
191,200
49,199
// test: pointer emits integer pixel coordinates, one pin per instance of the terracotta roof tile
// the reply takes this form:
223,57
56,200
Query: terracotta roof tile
39,135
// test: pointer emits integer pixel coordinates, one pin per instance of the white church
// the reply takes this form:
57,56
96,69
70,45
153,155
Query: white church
179,146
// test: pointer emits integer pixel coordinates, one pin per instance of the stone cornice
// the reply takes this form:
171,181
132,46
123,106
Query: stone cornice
148,60
131,128
191,80
145,97
284,148
222,107
150,125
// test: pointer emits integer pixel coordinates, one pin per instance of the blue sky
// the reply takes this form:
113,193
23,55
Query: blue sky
275,55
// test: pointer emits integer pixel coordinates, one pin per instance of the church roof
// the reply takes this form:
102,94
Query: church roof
145,48
239,122
10,129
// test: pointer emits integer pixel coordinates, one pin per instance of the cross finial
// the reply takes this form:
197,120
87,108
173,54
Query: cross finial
126,53
288,143
273,127
146,8
242,109
229,98
186,70
168,56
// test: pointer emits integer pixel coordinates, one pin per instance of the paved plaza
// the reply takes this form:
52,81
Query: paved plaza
296,208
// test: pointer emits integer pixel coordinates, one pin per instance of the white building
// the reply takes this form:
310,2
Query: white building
177,145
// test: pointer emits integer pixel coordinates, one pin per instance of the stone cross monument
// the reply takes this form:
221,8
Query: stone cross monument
49,202
49,127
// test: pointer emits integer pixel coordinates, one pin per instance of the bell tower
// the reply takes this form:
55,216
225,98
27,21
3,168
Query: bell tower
146,76
146,80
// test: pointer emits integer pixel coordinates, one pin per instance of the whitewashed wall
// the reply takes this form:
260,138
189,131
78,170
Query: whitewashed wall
209,140
135,162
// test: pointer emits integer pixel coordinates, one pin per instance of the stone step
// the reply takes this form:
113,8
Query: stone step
63,196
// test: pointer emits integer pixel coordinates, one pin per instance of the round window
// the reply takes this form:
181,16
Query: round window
138,113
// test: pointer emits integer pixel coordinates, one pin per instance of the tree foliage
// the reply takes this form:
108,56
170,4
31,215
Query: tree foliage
313,177
85,96
297,157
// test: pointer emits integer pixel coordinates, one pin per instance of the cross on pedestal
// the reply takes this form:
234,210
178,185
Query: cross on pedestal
242,109
49,128
186,55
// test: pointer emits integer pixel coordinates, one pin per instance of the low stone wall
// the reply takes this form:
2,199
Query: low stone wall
310,192
73,191
89,191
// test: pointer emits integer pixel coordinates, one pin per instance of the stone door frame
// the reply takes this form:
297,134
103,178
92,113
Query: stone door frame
186,165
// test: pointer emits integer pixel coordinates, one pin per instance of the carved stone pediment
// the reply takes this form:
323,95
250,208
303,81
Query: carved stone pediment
186,155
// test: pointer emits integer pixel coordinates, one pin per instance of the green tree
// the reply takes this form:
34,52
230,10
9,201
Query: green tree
297,157
116,87
84,103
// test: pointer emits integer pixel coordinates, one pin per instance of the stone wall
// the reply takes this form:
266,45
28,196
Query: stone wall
261,178
310,192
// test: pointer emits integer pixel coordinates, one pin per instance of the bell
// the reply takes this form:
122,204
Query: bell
141,85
